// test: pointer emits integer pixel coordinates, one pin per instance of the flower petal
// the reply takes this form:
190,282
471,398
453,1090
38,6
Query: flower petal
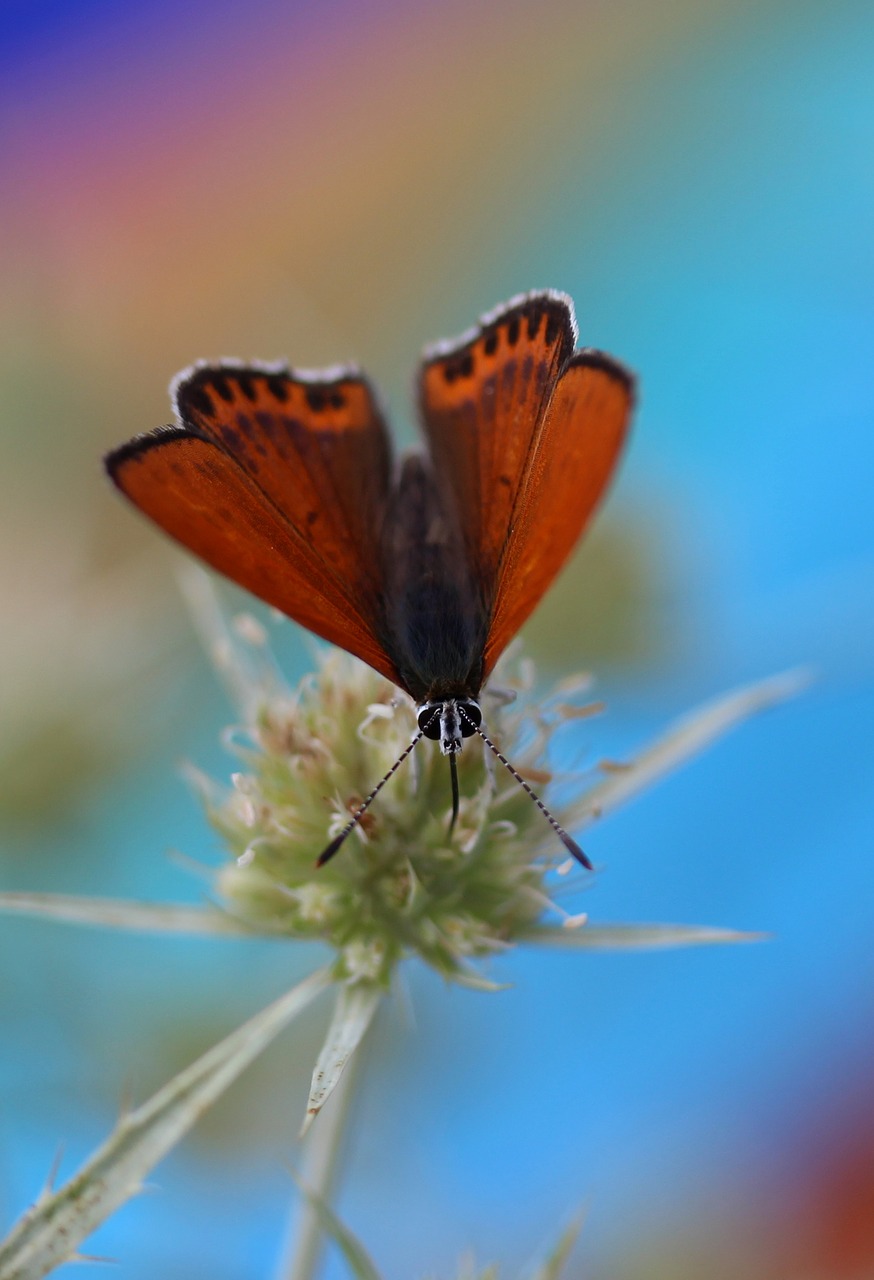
353,1013
637,937
121,913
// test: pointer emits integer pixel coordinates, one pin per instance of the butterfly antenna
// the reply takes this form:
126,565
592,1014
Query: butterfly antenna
332,848
453,773
570,844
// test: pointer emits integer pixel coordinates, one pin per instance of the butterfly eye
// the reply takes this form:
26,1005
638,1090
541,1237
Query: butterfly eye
471,718
428,718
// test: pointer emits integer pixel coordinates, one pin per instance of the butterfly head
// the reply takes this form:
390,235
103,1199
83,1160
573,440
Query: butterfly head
448,721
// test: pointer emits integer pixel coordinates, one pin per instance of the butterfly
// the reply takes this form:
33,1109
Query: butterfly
284,481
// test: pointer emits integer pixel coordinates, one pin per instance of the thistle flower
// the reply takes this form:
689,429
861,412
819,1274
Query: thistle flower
403,886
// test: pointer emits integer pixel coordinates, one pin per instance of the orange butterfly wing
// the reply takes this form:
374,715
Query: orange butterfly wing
281,483
569,468
524,437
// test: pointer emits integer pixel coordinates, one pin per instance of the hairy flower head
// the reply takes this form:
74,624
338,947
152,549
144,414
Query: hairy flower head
402,883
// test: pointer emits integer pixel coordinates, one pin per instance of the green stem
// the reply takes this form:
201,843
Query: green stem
323,1147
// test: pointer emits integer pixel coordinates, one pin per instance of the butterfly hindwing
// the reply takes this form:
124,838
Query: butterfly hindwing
569,469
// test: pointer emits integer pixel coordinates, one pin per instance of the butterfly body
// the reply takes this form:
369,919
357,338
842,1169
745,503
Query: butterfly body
436,620
284,481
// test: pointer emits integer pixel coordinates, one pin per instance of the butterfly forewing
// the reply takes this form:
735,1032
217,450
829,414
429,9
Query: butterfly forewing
317,447
482,401
568,470
250,501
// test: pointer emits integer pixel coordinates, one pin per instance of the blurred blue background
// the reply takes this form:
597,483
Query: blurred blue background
347,182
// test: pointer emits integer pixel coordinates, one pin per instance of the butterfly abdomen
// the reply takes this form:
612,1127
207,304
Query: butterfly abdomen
436,619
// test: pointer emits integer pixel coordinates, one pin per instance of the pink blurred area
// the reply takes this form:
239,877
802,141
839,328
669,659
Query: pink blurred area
277,181
329,188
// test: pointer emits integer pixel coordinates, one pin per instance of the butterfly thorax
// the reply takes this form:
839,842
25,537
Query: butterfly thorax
436,618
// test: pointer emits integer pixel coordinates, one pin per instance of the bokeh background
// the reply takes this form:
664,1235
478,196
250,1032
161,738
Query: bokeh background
346,181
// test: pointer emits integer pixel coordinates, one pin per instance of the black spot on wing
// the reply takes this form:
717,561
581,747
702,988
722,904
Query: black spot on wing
201,392
526,316
553,325
194,397
459,368
220,383
317,398
246,382
278,386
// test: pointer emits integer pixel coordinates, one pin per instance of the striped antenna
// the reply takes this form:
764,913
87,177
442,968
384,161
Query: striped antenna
332,848
569,843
